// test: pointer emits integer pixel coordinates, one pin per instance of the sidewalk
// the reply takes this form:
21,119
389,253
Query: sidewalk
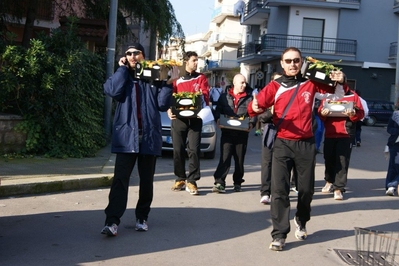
41,175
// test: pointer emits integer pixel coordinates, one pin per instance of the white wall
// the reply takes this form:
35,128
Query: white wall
329,15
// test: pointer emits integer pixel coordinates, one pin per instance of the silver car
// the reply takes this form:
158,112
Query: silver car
208,137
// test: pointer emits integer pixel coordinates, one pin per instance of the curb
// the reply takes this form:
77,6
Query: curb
55,186
47,184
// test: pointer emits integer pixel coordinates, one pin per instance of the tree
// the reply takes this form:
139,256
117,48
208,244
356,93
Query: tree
157,16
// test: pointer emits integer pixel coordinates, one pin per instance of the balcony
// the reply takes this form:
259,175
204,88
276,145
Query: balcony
222,64
272,45
335,4
250,53
220,13
203,51
255,13
393,52
44,9
219,39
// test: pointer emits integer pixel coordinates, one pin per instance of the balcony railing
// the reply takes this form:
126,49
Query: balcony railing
351,4
220,13
338,1
309,44
249,49
44,9
252,5
224,37
222,63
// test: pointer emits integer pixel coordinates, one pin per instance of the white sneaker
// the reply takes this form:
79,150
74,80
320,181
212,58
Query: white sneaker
141,225
327,188
390,191
300,231
110,230
265,199
338,195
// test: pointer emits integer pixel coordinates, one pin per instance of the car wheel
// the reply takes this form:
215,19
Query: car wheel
370,121
209,155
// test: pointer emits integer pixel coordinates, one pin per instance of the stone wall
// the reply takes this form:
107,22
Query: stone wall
10,139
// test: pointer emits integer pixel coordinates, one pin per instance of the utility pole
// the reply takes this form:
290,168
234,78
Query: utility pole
110,64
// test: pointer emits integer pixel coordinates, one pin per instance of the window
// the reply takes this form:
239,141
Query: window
312,32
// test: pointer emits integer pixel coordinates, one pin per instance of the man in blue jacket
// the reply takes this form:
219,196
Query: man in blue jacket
136,135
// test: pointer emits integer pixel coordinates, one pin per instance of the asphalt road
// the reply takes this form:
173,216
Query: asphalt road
209,229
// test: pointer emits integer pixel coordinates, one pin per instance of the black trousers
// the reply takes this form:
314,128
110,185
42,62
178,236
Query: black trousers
266,168
337,153
118,194
233,143
184,129
286,154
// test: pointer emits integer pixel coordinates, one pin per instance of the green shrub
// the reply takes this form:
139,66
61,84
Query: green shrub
56,85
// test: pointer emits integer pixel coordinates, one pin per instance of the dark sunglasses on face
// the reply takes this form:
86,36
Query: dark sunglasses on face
137,52
296,60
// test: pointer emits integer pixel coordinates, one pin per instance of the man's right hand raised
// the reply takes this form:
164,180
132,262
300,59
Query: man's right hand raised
255,106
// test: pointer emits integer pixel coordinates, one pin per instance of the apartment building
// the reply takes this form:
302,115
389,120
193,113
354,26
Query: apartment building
363,34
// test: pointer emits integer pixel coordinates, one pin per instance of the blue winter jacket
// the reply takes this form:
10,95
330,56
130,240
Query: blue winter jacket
125,129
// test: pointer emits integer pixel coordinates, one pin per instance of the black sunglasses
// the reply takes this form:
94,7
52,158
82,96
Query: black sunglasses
296,60
137,52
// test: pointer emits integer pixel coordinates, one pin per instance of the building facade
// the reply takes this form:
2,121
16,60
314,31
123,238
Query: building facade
358,36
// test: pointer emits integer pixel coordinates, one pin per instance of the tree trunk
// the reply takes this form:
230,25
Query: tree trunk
29,23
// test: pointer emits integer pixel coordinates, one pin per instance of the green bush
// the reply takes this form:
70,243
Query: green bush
56,85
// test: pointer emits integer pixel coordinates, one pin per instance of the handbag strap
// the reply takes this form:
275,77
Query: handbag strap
288,105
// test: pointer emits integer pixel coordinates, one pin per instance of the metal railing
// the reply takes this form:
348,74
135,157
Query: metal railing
309,44
46,11
224,9
222,63
254,4
249,49
338,1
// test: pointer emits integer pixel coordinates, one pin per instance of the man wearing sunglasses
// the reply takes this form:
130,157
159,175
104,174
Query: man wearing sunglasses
136,135
295,142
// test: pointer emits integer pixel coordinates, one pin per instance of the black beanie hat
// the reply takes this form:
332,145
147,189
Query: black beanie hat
138,47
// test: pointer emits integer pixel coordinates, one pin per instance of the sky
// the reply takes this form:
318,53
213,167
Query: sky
193,16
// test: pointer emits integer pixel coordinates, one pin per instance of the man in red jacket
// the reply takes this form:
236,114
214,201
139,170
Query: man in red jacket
295,142
184,129
339,134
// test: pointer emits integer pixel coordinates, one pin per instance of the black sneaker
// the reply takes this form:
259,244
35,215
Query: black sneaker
300,232
237,188
277,244
219,188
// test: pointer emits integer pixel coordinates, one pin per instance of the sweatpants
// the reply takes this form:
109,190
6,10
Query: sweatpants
118,194
286,154
233,143
337,154
186,133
